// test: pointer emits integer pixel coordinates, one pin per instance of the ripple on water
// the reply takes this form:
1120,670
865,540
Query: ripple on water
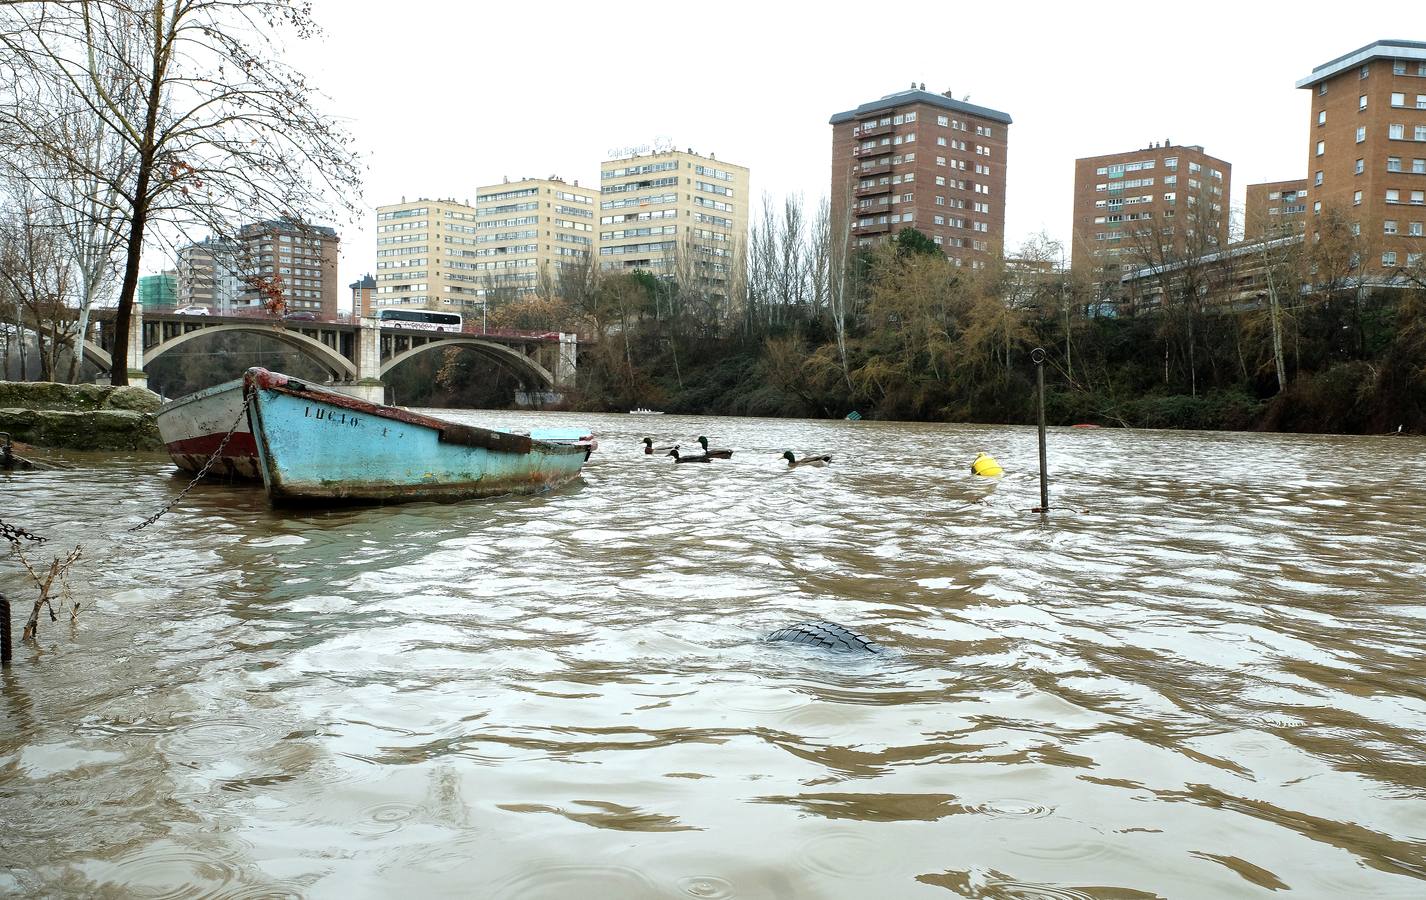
167,870
563,882
213,739
1011,808
706,887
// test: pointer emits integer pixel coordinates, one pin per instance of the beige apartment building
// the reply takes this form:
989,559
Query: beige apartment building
298,258
448,255
410,238
1148,207
675,214
1366,151
526,234
918,159
1275,209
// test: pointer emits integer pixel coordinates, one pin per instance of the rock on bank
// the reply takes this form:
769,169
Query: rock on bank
79,416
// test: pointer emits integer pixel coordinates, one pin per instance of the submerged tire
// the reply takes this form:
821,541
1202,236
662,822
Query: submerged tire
826,635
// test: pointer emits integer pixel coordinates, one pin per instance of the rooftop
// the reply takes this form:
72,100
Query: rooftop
914,95
1383,49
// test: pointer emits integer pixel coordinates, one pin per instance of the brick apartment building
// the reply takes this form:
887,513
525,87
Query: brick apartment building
1144,206
1366,150
1275,209
302,256
926,161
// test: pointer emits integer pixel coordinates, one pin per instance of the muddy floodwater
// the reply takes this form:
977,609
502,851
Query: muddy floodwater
1205,675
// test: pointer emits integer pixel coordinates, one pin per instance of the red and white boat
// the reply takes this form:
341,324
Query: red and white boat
192,427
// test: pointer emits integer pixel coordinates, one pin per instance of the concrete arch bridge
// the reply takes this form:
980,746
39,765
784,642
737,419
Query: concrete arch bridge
356,353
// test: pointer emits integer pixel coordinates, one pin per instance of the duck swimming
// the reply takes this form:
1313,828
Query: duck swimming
649,447
684,459
793,462
713,454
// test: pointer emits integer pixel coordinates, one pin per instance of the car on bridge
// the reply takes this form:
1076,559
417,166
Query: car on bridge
300,316
191,311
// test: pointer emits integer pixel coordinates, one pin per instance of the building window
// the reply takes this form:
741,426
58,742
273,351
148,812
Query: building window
1418,198
1388,227
1413,259
1420,133
1365,71
1322,117
1414,229
1393,164
1356,198
1362,102
940,181
1317,208
1418,167
1171,162
1321,147
940,142
1398,67
1356,229
1361,167
1322,89
1317,179
1393,195
1394,132
942,121
1388,258
1398,99
1361,133
940,160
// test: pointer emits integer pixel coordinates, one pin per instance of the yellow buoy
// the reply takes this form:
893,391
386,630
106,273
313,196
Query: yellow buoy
986,465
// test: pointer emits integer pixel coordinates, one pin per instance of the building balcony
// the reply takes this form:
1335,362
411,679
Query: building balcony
872,190
881,150
871,129
873,228
874,167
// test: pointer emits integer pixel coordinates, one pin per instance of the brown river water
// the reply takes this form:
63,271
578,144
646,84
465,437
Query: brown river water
1202,676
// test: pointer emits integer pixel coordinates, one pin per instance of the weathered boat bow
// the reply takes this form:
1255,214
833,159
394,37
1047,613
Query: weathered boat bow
317,445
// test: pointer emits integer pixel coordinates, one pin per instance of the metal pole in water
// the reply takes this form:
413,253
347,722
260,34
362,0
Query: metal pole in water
1038,355
4,630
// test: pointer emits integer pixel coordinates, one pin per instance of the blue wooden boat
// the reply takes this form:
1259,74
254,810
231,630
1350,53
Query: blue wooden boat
315,445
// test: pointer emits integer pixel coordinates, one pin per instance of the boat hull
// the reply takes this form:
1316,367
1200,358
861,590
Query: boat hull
193,426
314,445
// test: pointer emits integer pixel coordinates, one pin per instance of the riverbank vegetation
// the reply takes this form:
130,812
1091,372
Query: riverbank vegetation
1254,341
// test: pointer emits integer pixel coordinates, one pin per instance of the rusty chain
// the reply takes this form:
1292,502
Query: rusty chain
13,534
242,413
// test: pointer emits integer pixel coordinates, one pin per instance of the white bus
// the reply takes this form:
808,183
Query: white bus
418,318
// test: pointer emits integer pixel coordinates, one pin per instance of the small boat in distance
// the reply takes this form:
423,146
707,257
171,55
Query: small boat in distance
645,411
317,445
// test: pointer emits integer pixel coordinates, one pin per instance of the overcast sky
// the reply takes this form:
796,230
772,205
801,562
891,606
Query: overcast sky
445,95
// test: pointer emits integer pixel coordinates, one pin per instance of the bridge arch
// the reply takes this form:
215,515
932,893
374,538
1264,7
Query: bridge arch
522,366
98,355
338,367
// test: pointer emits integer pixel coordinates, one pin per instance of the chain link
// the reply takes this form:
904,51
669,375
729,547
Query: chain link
247,399
13,533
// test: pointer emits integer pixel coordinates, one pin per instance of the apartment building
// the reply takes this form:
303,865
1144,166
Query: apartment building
207,275
675,214
411,241
916,159
1275,209
1366,151
364,295
526,234
158,290
297,258
1148,206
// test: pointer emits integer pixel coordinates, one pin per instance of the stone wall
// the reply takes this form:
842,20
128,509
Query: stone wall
79,416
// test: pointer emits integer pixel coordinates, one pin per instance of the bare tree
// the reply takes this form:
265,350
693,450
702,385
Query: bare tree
195,92
38,271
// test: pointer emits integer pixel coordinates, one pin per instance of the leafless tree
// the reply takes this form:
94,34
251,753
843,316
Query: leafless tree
37,271
217,128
